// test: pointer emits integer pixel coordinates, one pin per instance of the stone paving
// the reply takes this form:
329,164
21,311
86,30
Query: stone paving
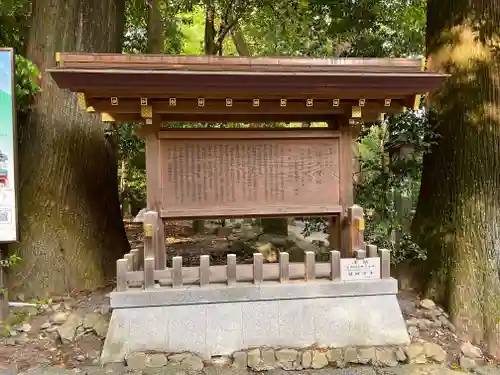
118,369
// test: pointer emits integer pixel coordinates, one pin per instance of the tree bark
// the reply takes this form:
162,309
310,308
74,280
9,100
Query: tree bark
156,34
210,46
457,216
239,41
71,232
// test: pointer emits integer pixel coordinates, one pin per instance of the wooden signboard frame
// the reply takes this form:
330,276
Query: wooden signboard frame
159,89
245,173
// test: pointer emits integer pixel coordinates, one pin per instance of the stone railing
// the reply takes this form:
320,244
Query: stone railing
147,267
367,265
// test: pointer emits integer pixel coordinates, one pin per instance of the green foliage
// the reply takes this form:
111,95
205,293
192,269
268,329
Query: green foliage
371,28
10,261
27,75
14,16
385,176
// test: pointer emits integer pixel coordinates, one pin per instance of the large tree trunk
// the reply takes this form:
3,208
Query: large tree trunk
457,217
70,223
156,34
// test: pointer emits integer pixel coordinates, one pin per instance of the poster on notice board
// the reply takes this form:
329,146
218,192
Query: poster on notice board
8,199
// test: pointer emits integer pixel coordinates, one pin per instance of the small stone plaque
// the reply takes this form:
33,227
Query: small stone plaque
352,269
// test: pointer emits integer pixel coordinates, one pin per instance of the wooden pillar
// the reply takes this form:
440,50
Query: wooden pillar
339,226
153,182
153,176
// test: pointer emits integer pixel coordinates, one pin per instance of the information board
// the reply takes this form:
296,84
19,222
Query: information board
249,176
352,269
8,201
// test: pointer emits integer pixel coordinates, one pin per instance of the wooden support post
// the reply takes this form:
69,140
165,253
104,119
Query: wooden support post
135,259
204,270
121,275
177,272
153,173
153,183
284,267
335,265
346,182
335,231
149,224
258,268
160,247
149,272
310,265
360,254
231,269
130,261
356,229
371,250
385,263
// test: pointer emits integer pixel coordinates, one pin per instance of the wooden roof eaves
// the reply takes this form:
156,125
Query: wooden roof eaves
152,81
245,73
201,62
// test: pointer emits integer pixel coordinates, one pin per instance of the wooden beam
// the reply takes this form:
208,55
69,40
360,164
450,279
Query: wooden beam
245,134
247,107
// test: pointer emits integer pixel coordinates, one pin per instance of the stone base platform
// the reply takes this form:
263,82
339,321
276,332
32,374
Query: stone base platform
219,320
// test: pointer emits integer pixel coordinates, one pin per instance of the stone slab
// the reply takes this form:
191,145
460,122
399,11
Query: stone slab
487,370
326,371
224,328
420,370
245,292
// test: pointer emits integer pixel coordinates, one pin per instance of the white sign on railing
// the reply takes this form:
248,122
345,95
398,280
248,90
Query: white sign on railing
352,269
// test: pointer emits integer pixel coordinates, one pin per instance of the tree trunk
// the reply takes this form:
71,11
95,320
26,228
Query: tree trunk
71,230
457,216
210,46
239,41
156,34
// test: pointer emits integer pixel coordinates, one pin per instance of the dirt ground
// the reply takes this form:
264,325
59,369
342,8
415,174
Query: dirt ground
37,341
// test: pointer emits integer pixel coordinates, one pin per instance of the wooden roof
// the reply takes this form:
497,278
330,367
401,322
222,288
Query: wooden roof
209,88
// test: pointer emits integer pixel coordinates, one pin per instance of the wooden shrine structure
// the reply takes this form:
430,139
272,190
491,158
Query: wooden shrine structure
251,172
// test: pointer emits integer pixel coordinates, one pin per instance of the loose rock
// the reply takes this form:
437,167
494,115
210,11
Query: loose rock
307,359
427,304
319,359
471,351
467,363
253,358
240,360
336,357
351,355
366,355
287,355
156,360
59,317
192,363
67,331
415,354
434,352
288,358
413,332
136,361
222,361
386,357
